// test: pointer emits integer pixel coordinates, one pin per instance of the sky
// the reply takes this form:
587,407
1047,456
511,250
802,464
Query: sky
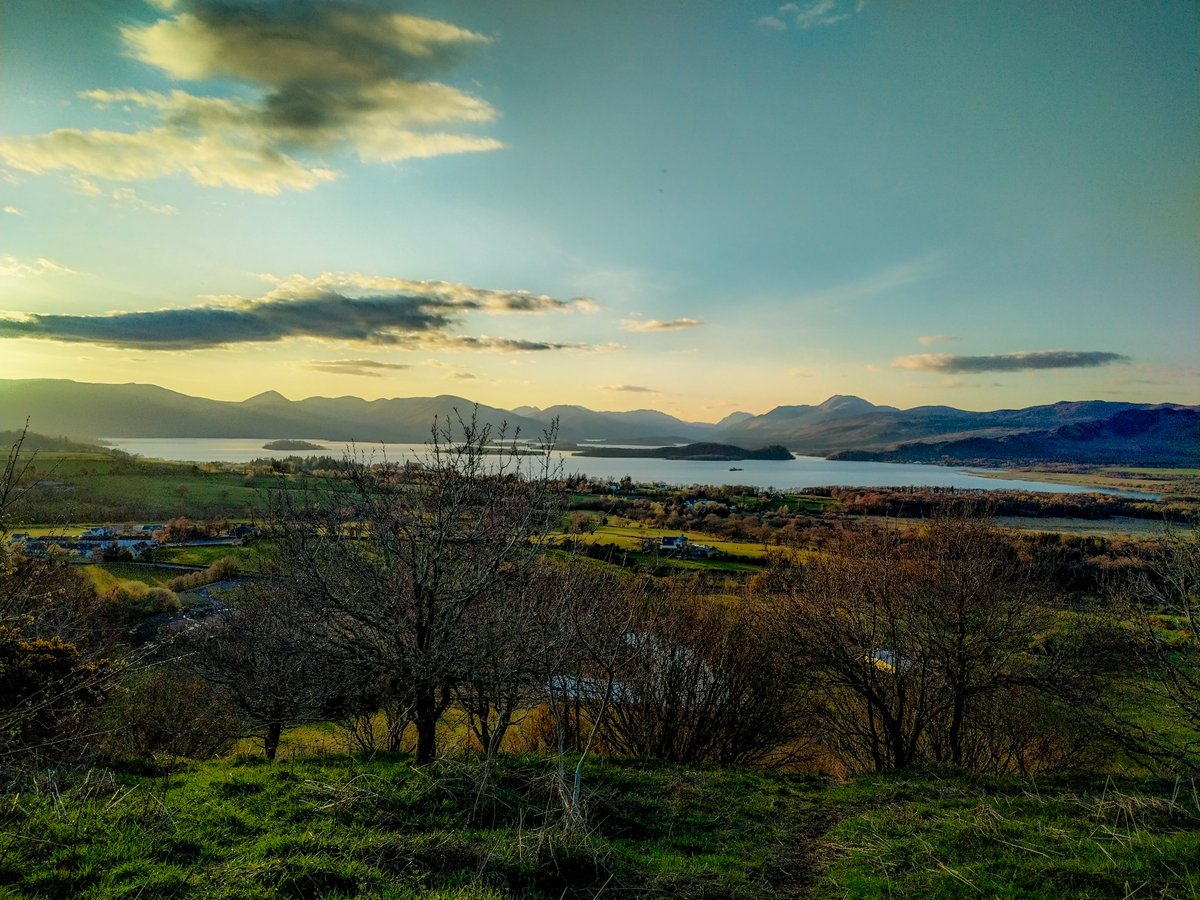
698,206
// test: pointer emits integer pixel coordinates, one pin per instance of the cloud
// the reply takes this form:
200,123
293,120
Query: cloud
1153,374
460,295
124,196
422,316
630,388
656,325
1009,362
929,339
11,267
772,22
13,211
365,367
503,345
874,285
816,14
314,78
128,197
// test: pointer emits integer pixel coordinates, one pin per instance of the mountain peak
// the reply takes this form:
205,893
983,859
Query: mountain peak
847,401
268,397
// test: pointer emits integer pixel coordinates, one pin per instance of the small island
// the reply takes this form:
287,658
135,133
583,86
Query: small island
701,451
292,445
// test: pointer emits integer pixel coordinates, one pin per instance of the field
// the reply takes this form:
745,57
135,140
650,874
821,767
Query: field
97,487
379,827
1117,526
1168,482
628,536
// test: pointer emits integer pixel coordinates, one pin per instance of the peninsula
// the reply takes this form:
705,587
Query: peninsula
292,445
700,451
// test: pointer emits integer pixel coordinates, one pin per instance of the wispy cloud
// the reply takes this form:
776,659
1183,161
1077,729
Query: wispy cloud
874,285
13,211
772,22
1182,375
630,388
123,196
656,325
816,14
128,196
365,367
328,78
1009,362
930,339
11,267
425,315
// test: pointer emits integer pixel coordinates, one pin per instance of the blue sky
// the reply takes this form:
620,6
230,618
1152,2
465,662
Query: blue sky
694,206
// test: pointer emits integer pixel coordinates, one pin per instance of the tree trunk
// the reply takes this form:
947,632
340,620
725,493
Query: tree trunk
271,741
426,718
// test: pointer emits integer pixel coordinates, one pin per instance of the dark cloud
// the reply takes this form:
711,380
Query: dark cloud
376,320
405,320
365,367
947,363
514,345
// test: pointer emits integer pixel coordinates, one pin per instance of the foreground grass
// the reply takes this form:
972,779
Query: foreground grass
348,827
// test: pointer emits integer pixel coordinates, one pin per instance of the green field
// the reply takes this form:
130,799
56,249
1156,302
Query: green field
379,827
204,555
96,487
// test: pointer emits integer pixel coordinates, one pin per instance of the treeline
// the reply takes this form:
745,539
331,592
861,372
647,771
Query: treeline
921,502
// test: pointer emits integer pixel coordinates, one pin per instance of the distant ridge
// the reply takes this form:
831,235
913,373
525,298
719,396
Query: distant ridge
844,426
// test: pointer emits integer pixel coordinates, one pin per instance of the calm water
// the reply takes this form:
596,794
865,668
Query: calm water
804,471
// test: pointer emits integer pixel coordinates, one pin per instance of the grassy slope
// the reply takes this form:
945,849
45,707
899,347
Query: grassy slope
343,827
104,488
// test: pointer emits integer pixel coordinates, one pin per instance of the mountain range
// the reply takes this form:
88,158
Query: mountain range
844,427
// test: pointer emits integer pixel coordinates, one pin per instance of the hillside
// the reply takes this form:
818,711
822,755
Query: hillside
140,410
1164,436
843,427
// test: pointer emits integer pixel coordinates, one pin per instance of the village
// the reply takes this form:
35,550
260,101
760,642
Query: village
126,542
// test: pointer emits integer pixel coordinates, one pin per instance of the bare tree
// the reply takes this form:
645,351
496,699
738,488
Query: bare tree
707,680
921,642
510,640
260,653
1147,657
584,647
395,557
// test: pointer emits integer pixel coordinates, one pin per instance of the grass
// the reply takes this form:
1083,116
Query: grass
203,555
107,575
379,827
1000,838
1166,481
102,487
629,536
